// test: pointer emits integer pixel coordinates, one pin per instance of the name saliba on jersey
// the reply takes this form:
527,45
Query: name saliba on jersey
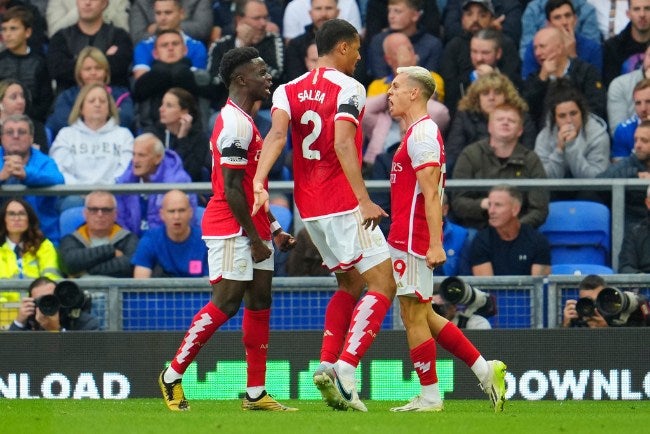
311,95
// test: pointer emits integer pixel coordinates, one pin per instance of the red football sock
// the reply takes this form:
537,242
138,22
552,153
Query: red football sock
424,361
337,321
203,326
453,340
365,324
255,326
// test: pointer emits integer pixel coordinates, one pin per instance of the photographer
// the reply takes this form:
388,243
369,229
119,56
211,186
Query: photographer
54,307
602,306
477,305
451,313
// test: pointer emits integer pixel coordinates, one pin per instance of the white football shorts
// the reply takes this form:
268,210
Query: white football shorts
230,258
413,277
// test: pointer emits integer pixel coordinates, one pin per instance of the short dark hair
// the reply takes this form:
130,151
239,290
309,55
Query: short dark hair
333,32
551,5
240,6
489,35
235,58
560,91
412,4
21,13
166,31
511,190
591,282
39,281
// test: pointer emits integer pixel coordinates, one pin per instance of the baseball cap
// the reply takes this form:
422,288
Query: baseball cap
487,4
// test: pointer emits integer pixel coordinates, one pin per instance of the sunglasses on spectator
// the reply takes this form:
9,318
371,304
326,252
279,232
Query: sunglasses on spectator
97,210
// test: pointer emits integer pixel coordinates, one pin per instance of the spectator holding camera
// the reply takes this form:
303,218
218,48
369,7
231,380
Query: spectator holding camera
450,312
42,309
574,315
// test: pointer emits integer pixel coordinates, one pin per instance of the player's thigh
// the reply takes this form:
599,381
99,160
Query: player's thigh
231,259
412,276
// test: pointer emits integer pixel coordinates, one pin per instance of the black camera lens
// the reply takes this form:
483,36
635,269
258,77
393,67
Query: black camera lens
586,307
612,301
48,304
455,291
69,294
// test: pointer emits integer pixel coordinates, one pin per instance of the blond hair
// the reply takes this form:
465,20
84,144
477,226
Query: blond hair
75,113
492,81
422,77
98,56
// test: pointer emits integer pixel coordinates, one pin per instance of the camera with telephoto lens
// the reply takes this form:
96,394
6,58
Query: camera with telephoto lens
67,297
585,308
623,308
455,291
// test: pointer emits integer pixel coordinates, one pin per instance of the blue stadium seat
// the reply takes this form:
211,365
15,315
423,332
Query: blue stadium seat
283,216
579,232
580,269
71,219
198,215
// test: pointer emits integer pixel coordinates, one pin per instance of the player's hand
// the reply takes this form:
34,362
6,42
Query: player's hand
436,256
284,241
260,251
569,313
371,213
261,198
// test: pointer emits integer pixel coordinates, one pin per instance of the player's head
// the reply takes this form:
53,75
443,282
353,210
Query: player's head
340,39
411,88
420,77
243,66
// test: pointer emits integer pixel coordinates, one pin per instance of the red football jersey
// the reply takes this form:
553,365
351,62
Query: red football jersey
314,101
236,143
421,147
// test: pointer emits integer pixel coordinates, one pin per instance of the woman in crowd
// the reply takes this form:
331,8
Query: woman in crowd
91,67
94,149
181,131
574,143
14,100
25,253
470,122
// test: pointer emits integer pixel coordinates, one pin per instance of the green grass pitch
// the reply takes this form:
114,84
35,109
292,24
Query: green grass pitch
136,416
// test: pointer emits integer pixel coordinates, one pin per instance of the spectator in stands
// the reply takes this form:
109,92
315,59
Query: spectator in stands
534,19
377,18
175,249
22,163
37,40
611,15
90,29
380,129
589,287
470,123
485,52
451,313
224,19
25,253
63,13
197,19
574,143
91,67
151,163
622,53
304,259
320,11
620,101
250,31
636,165
94,149
171,68
99,247
508,246
403,17
457,66
500,156
507,18
555,62
14,100
296,17
169,15
635,251
623,141
30,317
562,15
180,130
456,240
20,62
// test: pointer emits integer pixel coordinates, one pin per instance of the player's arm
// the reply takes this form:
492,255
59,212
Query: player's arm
273,144
428,179
236,198
346,151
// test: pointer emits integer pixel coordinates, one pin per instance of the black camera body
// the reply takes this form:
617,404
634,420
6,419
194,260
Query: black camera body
455,291
68,299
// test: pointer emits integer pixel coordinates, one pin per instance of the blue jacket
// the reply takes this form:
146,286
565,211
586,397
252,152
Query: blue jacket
129,210
588,50
456,241
64,102
623,141
41,171
143,53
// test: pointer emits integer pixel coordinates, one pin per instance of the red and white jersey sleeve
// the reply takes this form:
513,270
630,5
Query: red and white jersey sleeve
421,147
314,102
236,144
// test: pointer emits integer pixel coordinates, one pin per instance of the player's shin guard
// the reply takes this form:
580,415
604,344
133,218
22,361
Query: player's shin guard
203,326
366,322
337,321
255,326
424,361
454,341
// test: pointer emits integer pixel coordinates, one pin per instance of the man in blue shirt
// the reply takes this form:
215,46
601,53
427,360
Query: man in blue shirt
175,249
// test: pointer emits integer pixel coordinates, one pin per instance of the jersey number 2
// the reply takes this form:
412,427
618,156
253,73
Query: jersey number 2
314,118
